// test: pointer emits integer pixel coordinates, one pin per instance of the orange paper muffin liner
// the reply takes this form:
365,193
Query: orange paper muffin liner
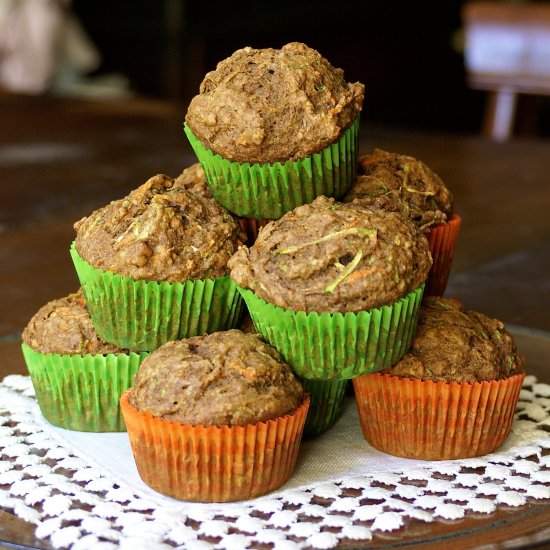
442,242
430,420
214,463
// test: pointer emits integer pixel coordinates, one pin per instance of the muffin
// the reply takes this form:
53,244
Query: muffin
215,418
273,129
335,287
271,105
77,376
452,395
153,265
400,183
193,179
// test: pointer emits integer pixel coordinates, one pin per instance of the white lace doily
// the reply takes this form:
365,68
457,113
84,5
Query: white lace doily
82,490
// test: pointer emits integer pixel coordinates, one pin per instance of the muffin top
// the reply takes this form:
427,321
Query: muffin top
400,183
273,105
453,344
330,256
193,179
222,378
64,326
160,231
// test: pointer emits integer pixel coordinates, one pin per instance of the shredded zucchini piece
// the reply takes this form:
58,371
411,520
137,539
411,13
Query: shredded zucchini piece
361,231
346,273
424,193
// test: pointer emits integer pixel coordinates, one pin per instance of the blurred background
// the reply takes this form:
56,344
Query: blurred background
410,55
93,94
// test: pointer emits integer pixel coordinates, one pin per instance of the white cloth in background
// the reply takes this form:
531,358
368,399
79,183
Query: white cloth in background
38,40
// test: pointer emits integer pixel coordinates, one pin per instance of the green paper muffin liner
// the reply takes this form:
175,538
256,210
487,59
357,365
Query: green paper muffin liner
326,401
267,191
143,315
82,392
325,346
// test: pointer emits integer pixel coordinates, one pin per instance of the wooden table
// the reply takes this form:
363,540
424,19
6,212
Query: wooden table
61,159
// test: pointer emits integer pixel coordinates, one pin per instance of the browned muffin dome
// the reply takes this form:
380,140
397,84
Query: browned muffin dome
329,256
273,105
160,232
64,326
453,344
193,179
399,183
222,378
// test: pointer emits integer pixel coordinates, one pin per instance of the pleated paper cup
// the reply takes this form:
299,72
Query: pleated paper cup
442,240
267,191
214,463
429,420
143,315
82,392
326,404
327,346
251,228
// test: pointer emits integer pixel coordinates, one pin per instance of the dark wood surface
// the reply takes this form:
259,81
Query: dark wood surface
61,159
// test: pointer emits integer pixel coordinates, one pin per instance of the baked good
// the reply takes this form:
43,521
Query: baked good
215,418
401,183
78,377
263,125
193,179
453,344
225,378
64,326
268,105
333,257
453,395
335,269
159,232
153,265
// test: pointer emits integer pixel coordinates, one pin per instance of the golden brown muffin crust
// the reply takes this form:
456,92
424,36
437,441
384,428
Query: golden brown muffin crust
454,344
64,326
223,378
400,183
160,232
193,179
330,256
273,105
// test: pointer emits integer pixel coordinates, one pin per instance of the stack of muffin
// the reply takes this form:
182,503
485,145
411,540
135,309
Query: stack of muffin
334,288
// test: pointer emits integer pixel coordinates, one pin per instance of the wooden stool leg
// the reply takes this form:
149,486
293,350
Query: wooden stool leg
499,115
